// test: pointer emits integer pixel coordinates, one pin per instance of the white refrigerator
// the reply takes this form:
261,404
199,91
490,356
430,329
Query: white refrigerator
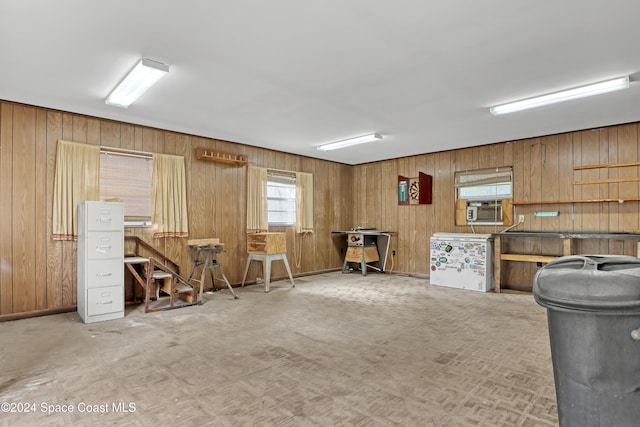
461,260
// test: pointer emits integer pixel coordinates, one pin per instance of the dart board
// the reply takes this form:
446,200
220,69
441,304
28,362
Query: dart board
414,192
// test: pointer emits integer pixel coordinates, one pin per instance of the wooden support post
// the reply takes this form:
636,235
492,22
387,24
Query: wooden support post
497,262
567,246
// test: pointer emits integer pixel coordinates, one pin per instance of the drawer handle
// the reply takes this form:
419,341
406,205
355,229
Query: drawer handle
103,274
103,219
105,302
103,248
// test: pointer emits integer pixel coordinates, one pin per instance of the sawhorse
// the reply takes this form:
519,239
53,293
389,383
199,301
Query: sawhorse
205,254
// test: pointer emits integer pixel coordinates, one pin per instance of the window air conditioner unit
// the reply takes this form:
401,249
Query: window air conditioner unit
484,211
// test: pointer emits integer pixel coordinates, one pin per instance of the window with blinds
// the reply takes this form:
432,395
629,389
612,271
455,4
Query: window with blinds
484,184
281,198
128,177
483,192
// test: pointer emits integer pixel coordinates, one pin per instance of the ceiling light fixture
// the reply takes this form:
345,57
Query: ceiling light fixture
351,141
140,78
565,95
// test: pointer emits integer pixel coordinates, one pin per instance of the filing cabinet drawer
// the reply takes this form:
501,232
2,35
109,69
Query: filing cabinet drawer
105,245
104,217
108,299
105,273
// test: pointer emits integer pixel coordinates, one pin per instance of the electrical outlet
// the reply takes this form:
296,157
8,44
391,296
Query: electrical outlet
393,252
521,218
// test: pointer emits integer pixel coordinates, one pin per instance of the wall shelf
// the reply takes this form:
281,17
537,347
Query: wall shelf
606,166
567,202
220,157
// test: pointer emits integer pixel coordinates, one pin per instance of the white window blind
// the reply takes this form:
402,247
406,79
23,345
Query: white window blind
128,177
281,198
484,184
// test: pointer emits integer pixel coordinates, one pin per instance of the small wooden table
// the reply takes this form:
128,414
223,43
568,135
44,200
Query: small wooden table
267,247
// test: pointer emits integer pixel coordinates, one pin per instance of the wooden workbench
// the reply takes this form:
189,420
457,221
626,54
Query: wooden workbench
567,242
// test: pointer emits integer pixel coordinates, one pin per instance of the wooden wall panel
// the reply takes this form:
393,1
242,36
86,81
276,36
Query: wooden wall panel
614,188
6,210
602,246
543,170
565,182
39,273
69,250
628,150
590,211
537,155
24,212
54,248
549,183
345,196
423,213
40,220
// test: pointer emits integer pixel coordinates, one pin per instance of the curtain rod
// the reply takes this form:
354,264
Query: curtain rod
124,151
280,170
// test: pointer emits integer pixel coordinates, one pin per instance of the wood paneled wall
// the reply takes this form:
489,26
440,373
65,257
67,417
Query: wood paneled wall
543,171
39,274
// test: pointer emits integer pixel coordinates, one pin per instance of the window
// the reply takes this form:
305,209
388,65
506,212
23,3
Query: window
483,191
128,177
281,198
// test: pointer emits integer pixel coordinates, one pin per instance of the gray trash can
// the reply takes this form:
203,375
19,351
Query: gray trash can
593,311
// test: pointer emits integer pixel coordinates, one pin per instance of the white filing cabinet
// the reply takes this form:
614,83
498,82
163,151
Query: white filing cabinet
100,261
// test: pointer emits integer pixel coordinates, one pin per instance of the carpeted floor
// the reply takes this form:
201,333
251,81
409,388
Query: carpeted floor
336,350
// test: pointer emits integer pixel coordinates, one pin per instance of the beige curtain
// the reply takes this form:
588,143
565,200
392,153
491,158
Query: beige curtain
257,220
77,178
169,197
304,202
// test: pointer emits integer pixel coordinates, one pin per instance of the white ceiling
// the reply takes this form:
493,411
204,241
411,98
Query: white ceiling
291,74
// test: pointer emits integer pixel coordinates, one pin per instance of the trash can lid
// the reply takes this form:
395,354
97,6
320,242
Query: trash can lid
608,283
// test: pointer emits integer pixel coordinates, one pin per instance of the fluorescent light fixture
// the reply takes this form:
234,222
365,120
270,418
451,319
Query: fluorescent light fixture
565,95
351,141
142,77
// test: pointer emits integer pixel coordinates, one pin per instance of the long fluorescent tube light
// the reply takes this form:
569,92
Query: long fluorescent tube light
351,141
565,95
142,77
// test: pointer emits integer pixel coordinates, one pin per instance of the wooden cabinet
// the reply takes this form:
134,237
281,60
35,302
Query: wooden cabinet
100,261
415,191
267,243
267,247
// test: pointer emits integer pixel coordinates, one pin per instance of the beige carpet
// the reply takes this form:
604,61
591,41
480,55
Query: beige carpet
336,350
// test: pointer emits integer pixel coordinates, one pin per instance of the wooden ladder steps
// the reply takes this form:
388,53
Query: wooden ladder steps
160,281
160,275
181,290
